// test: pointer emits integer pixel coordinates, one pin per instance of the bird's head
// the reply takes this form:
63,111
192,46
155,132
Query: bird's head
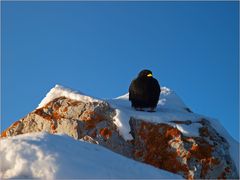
145,73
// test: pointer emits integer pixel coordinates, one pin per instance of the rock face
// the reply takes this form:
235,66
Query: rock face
165,147
92,122
159,144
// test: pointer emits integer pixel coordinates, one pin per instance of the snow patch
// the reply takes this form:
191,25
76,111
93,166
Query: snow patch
191,130
59,91
45,156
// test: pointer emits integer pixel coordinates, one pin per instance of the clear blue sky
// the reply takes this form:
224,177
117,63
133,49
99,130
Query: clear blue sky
99,47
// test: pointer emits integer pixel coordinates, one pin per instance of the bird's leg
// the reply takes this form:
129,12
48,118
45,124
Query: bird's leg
139,109
151,110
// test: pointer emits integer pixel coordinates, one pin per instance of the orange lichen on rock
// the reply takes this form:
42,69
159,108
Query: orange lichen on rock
91,118
4,133
105,133
56,106
53,127
194,147
41,113
65,109
56,115
201,150
172,132
165,147
190,177
15,124
158,151
138,154
91,115
206,165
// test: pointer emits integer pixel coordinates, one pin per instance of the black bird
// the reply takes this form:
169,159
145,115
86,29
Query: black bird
144,91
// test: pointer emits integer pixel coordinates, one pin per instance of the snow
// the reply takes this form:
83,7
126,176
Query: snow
45,156
170,107
59,91
191,130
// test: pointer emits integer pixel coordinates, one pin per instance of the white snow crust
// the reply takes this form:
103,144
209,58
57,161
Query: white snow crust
59,91
45,156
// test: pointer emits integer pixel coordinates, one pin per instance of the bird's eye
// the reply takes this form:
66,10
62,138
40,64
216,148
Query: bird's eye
149,75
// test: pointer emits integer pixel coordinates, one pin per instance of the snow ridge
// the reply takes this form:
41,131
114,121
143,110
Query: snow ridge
59,91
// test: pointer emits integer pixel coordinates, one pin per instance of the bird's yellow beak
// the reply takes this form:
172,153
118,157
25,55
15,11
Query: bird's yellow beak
149,75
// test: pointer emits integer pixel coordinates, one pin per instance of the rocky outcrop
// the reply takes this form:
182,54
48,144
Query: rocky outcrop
92,122
159,144
165,147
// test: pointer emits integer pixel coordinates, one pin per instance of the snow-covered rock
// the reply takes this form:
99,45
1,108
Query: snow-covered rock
173,138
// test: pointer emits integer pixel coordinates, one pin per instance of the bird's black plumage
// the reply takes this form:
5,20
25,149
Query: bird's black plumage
144,91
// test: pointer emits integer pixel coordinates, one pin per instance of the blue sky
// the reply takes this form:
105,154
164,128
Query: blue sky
99,47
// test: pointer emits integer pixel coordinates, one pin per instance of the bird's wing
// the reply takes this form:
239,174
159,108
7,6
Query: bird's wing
157,90
131,89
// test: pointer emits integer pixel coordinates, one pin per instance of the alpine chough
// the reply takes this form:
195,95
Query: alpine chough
144,91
